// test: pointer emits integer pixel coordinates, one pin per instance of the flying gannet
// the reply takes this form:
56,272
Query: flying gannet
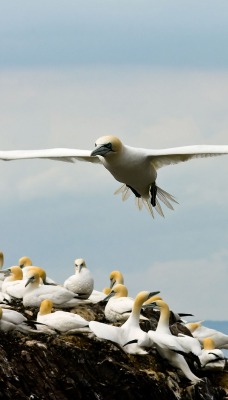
135,168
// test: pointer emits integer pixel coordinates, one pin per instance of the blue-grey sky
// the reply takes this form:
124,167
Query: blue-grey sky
154,74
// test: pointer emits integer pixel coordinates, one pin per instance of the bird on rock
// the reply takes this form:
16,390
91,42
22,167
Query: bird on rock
82,282
136,168
62,321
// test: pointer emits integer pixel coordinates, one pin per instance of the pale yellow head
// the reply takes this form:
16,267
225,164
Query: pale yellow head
24,262
115,278
46,307
152,299
192,326
40,271
15,273
208,343
107,145
119,290
113,140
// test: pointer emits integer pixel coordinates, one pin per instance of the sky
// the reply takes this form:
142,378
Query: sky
155,74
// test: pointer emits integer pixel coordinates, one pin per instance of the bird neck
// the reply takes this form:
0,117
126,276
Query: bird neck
163,323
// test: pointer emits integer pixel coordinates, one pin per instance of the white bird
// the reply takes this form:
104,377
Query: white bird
128,331
13,284
211,358
170,347
200,332
62,321
13,320
135,167
82,282
25,263
119,305
36,292
115,277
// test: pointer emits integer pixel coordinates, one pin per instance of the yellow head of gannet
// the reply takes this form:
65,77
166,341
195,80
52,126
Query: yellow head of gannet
33,278
24,262
46,307
15,273
40,271
208,344
115,278
117,291
107,145
106,290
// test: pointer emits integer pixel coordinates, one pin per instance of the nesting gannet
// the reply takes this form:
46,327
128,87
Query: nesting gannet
200,332
170,347
61,321
11,320
13,284
135,167
82,281
119,304
128,331
211,358
35,293
25,263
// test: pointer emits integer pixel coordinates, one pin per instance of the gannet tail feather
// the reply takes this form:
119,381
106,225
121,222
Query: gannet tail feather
161,194
165,197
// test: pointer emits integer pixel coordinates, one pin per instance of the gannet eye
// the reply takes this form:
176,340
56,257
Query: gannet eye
109,145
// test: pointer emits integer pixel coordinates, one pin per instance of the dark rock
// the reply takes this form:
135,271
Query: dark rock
60,367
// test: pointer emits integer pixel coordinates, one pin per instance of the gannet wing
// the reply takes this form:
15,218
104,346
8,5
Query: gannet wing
105,331
175,155
61,154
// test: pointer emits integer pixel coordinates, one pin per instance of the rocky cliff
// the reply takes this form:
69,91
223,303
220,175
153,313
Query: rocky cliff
80,366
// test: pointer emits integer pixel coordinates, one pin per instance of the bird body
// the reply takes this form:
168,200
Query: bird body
201,332
119,305
61,321
82,282
172,347
35,293
13,320
128,331
135,168
211,358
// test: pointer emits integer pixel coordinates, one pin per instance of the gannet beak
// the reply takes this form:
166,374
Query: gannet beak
102,150
6,272
29,280
150,305
109,296
153,294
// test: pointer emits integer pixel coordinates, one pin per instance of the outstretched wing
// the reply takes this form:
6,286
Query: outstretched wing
175,155
68,155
